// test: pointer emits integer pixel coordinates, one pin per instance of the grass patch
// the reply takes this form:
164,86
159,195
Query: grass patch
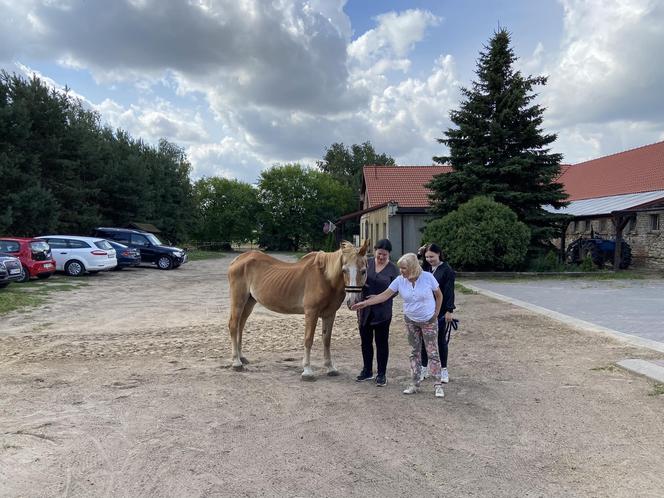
463,289
34,293
657,389
199,255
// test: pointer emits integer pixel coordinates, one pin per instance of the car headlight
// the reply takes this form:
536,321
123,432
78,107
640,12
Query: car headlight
177,254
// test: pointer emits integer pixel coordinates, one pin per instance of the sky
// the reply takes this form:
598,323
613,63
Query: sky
243,85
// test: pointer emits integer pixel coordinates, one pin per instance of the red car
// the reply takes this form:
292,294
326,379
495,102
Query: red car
35,256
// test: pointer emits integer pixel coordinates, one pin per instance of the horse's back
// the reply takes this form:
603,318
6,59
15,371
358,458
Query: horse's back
276,284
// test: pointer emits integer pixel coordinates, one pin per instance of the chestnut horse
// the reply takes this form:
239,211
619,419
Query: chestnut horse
315,286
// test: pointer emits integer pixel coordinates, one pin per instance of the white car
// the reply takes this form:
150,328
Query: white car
75,255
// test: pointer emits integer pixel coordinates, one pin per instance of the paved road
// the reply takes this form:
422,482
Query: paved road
634,307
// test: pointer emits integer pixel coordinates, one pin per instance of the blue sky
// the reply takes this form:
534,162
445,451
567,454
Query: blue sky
246,84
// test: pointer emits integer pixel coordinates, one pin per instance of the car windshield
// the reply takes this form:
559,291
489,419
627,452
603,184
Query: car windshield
103,244
153,239
9,246
39,246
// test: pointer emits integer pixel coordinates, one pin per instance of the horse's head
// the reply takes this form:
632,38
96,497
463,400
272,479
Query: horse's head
354,267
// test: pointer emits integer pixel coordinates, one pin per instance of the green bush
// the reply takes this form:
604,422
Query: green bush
481,235
547,262
587,264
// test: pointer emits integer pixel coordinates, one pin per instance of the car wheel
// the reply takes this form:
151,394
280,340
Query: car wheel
44,276
25,275
165,263
74,268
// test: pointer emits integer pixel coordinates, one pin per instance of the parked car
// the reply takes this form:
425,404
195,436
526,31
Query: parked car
75,255
127,256
151,248
10,269
35,256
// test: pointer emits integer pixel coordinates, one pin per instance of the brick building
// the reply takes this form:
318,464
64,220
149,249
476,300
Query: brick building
621,194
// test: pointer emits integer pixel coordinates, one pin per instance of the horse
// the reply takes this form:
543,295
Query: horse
315,286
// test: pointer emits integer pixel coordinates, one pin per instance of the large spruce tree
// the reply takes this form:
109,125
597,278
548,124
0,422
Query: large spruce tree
498,147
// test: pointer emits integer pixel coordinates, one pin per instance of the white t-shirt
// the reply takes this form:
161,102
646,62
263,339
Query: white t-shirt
418,302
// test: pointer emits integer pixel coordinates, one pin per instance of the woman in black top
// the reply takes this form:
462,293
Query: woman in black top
433,261
374,321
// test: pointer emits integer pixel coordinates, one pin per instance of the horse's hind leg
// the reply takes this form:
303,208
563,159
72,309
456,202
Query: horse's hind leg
239,299
328,322
248,308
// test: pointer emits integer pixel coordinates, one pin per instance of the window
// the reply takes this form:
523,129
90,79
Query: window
632,224
121,237
139,240
77,244
57,243
575,227
602,225
654,222
103,244
384,230
588,225
9,246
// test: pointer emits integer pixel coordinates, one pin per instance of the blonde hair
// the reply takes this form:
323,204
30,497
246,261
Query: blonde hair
410,263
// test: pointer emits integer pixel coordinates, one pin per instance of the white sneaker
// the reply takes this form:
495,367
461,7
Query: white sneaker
444,376
439,391
424,373
411,389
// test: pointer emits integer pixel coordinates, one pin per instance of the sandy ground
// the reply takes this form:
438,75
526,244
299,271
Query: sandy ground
123,388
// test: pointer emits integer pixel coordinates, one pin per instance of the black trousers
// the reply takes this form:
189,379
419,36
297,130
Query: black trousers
379,332
442,345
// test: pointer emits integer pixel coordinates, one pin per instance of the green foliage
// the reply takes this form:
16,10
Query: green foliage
63,172
228,210
498,147
587,264
295,202
481,235
549,262
345,166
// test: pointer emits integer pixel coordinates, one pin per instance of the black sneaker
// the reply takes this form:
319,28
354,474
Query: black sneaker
381,381
364,375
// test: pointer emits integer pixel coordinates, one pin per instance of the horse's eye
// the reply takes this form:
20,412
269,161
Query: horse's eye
363,271
345,270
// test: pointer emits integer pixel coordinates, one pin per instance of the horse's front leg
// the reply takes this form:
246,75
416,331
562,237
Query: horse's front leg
310,320
328,322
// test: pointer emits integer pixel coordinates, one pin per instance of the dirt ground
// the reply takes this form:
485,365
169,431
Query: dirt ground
123,388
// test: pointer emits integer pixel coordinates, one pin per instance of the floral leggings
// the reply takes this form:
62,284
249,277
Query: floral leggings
427,333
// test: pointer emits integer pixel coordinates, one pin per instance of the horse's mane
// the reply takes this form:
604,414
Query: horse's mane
329,262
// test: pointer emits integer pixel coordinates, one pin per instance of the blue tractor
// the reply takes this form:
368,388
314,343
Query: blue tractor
601,251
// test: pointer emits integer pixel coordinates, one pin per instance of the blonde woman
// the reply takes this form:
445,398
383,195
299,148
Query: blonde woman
422,300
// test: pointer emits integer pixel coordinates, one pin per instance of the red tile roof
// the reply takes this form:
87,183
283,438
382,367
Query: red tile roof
630,172
403,184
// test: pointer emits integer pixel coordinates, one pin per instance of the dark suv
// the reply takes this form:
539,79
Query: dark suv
10,269
152,249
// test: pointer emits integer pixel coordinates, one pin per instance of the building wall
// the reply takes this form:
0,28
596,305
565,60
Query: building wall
406,236
646,241
374,226
377,225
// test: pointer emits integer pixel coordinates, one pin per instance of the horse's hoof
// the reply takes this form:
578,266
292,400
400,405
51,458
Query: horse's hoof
238,368
333,373
308,378
244,360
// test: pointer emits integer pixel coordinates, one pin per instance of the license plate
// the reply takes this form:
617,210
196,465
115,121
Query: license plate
15,271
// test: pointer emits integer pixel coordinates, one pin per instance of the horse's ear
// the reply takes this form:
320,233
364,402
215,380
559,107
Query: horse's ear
344,244
364,247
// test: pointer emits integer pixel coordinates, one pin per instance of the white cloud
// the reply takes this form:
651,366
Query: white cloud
154,120
609,66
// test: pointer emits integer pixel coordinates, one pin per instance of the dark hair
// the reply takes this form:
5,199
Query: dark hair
384,244
436,248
